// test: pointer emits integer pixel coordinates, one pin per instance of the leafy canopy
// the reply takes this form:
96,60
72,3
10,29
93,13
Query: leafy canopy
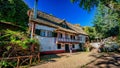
106,21
89,4
14,11
90,31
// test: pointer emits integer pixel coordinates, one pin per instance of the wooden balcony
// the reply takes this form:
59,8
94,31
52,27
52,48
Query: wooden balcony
64,40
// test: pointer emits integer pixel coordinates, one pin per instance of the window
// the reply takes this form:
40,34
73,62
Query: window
43,33
74,37
80,38
66,36
71,36
58,46
64,25
73,46
49,33
60,35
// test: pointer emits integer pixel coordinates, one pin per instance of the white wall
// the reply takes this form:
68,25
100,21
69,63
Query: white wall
47,43
83,38
76,46
44,27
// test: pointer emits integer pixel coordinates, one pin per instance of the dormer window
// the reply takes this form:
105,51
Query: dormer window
64,25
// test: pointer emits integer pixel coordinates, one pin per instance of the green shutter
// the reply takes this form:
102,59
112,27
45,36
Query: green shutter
54,34
37,31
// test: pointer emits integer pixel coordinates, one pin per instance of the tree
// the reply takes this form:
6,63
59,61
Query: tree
89,4
90,31
113,5
106,21
14,11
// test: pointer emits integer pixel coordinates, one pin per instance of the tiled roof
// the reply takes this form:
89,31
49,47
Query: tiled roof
50,20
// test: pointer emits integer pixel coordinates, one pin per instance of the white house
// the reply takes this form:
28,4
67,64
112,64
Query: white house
56,35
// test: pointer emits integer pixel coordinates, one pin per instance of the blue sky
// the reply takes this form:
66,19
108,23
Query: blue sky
64,9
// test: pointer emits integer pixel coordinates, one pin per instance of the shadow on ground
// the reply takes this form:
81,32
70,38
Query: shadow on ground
49,58
105,60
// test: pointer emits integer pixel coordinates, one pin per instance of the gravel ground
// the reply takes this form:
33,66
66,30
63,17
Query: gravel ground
66,60
107,60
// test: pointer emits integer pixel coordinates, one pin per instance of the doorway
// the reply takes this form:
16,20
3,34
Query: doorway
66,47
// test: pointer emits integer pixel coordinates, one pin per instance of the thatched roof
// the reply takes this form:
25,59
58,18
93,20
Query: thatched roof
50,20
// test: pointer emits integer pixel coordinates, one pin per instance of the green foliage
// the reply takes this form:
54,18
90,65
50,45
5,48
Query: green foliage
90,31
14,11
16,44
89,4
6,64
16,37
107,19
106,22
8,47
86,4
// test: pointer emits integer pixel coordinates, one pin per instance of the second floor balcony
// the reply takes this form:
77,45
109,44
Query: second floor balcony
67,40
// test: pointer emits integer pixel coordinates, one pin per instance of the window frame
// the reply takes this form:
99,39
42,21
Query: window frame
60,35
80,38
49,33
43,33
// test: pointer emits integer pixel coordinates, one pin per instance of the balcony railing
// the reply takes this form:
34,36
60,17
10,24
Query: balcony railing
67,40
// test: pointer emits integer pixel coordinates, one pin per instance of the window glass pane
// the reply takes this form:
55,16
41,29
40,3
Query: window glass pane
74,37
66,36
71,36
60,35
49,33
80,38
43,33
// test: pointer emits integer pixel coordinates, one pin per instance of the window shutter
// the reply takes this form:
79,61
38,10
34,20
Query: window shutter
54,34
37,31
40,32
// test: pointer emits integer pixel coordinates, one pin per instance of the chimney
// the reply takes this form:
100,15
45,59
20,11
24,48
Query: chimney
35,9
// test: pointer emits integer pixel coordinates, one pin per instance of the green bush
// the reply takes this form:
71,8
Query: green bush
16,40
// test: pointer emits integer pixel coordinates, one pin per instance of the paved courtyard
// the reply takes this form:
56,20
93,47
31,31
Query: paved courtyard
66,60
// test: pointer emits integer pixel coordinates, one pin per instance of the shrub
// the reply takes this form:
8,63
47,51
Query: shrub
16,43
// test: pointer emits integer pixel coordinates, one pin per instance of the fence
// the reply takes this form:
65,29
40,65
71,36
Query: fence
24,58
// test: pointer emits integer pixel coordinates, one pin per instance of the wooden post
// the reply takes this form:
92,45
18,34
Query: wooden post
32,29
38,57
30,59
34,16
18,61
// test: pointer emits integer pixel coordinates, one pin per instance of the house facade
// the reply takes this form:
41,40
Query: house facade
56,35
